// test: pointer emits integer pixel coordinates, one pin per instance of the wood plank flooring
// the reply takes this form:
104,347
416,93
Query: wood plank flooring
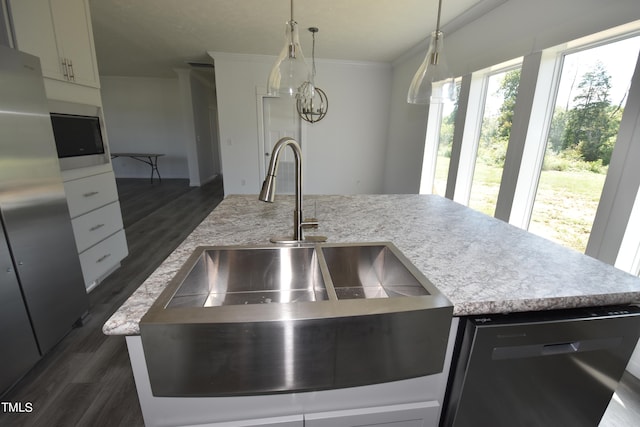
86,380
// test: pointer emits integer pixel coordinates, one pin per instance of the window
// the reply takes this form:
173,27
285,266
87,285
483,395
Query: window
570,104
444,147
438,142
590,100
500,99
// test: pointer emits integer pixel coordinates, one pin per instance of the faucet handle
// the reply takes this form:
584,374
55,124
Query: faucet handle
310,223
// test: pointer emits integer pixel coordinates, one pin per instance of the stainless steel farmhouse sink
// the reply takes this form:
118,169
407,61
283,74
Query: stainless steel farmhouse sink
240,320
234,276
372,271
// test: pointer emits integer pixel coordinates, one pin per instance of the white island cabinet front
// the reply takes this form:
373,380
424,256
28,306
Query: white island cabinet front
402,415
414,402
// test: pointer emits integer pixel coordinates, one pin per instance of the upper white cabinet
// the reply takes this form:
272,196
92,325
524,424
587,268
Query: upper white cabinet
60,33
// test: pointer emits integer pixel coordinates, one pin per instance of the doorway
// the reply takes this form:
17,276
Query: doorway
279,119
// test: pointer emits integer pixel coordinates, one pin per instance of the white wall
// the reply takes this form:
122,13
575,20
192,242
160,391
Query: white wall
344,152
143,115
346,149
406,133
514,29
520,27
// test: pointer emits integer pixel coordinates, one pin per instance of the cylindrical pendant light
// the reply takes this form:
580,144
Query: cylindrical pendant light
433,69
290,70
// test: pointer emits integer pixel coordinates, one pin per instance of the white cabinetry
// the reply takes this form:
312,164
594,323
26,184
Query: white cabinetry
420,414
91,192
97,224
60,33
286,421
415,402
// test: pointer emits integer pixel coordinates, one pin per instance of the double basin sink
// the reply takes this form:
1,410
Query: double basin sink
240,320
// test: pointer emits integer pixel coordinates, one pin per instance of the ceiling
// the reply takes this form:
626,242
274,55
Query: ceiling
152,37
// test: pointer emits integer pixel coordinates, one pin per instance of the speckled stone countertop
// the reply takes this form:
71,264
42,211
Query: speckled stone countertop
481,264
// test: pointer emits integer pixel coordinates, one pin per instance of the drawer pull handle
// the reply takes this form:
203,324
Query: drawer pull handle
65,69
102,258
72,75
96,227
91,193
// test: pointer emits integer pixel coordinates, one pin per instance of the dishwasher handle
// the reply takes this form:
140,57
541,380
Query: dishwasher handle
563,348
551,349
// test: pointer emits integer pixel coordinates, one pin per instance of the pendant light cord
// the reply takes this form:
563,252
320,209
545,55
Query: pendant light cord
437,22
313,55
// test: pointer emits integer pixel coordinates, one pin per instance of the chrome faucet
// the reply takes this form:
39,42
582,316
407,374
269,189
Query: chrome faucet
267,194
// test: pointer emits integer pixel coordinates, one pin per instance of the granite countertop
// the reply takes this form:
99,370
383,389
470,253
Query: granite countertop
481,264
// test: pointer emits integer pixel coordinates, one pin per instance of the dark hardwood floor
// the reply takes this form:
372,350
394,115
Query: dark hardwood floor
86,380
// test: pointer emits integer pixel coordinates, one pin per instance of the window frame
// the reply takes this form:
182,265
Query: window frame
614,236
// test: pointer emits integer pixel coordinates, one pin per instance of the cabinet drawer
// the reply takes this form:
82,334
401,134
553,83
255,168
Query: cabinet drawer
286,421
99,259
419,414
97,225
87,194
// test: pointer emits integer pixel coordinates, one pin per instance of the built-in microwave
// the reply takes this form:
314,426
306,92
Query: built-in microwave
78,140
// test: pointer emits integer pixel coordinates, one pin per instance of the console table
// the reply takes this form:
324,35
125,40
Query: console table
149,158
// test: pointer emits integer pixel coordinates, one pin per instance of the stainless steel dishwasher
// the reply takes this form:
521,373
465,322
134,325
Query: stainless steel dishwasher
556,368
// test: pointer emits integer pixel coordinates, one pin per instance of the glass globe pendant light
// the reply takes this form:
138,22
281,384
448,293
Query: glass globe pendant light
433,69
290,70
312,102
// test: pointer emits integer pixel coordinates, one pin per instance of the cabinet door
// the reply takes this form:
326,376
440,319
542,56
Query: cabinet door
421,414
35,34
99,259
96,226
89,193
74,35
285,421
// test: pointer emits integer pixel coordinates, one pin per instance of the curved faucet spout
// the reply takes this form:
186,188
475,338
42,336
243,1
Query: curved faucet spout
267,194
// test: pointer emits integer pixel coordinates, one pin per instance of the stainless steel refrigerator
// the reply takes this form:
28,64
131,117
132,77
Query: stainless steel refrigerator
42,293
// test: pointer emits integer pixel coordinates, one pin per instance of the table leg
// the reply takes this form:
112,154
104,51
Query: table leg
154,168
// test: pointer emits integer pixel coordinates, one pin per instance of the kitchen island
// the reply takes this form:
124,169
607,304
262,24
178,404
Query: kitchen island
482,265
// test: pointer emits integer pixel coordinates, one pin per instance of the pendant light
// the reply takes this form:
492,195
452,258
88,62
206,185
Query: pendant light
312,103
290,70
433,69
